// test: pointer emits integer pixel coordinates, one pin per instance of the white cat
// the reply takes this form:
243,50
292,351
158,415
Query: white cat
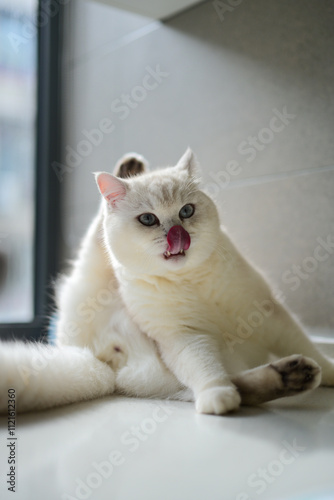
160,304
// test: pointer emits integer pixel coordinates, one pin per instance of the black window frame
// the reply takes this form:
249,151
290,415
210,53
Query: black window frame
47,185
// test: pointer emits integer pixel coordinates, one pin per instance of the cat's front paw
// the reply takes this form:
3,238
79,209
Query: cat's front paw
218,400
297,374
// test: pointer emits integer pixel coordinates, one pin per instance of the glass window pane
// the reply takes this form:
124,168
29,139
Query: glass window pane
18,76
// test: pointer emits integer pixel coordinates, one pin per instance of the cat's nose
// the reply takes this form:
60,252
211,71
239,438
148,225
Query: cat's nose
178,239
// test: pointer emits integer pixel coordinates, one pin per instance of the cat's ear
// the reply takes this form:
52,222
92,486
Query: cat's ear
130,165
111,188
189,163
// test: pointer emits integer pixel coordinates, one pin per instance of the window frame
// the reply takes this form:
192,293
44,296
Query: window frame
47,186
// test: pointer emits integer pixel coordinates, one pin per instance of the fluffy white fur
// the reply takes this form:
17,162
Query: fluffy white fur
45,376
132,321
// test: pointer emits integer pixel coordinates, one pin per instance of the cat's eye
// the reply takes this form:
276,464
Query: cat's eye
148,219
187,211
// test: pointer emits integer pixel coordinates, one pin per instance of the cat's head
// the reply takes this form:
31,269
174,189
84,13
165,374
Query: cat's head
158,222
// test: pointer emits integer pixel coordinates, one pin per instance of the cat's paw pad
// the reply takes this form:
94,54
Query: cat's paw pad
297,373
218,400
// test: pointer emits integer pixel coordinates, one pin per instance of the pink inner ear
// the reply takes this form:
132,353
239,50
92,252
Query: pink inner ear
111,188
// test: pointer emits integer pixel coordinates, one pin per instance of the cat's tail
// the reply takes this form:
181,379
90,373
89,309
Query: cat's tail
45,376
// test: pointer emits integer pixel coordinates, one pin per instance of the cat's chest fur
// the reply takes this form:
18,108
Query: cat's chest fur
195,300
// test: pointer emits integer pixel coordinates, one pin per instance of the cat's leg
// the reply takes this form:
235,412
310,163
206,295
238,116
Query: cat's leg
285,377
283,336
139,370
196,361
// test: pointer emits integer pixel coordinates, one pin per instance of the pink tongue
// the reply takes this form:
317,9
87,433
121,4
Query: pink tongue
178,239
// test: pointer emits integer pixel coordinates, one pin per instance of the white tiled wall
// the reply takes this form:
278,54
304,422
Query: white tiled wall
251,90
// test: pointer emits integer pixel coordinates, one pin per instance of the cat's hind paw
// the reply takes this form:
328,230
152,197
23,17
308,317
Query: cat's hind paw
297,374
218,400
